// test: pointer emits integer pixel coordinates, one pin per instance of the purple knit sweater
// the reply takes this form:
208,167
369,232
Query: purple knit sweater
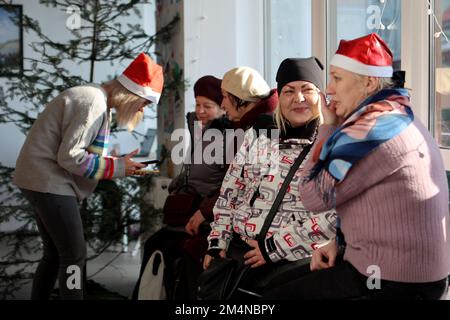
393,206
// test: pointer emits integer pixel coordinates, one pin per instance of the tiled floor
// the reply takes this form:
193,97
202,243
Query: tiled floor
118,276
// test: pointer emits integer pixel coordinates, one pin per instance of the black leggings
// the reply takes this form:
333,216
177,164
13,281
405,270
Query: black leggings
344,282
59,223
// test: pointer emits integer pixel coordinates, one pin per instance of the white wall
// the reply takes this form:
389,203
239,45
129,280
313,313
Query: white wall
214,37
53,24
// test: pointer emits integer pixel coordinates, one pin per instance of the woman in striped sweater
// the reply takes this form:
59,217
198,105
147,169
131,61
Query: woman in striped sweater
65,155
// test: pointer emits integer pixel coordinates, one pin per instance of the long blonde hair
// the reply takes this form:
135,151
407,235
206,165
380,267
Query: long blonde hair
282,122
126,104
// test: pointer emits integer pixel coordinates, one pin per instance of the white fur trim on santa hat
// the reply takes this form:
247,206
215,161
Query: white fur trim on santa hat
357,67
143,92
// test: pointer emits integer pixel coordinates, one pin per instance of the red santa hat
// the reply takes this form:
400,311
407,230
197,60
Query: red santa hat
144,78
368,55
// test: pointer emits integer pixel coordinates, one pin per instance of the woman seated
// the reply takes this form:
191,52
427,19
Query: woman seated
382,171
200,178
255,176
246,98
248,101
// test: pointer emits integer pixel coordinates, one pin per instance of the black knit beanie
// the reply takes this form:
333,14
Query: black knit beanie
209,87
300,69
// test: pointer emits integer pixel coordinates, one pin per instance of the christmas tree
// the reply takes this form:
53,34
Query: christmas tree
97,36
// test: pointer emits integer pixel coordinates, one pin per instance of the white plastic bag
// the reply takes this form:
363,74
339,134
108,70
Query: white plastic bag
152,280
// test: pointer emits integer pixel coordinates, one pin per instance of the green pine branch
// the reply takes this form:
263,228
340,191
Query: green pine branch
114,206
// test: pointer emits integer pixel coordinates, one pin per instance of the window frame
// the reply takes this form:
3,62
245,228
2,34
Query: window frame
432,85
267,28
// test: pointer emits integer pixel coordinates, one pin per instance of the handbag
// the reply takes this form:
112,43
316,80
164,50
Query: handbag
182,203
180,206
221,279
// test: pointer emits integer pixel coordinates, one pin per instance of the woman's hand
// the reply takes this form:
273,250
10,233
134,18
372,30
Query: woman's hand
254,258
328,112
207,260
130,165
194,223
324,257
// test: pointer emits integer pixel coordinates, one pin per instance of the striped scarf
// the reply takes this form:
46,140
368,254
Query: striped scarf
378,119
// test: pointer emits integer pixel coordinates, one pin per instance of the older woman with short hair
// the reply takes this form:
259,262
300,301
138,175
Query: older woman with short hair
382,171
201,179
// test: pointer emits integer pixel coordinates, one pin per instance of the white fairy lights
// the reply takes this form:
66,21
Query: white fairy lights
440,31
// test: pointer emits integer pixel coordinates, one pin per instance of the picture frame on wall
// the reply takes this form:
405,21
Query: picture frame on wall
11,41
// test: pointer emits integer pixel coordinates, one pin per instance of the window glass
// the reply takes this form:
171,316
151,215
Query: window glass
288,33
350,19
442,85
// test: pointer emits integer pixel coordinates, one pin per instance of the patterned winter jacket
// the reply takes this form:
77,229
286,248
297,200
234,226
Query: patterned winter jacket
248,192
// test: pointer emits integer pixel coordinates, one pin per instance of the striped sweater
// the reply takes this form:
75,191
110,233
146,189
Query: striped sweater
65,152
98,165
